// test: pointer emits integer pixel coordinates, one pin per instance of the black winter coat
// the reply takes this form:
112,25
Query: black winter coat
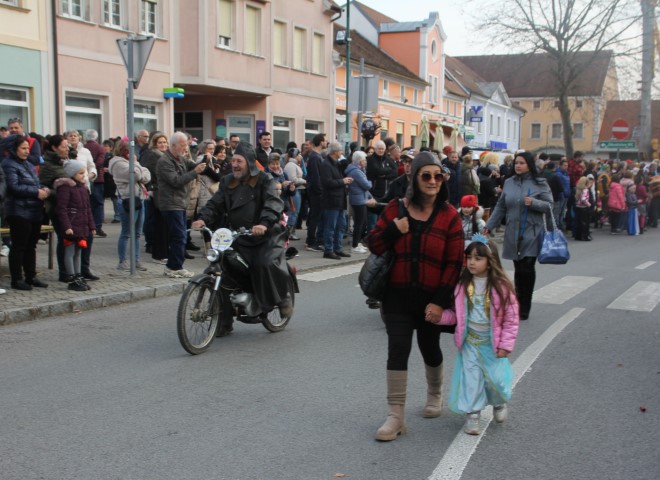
334,188
381,171
22,190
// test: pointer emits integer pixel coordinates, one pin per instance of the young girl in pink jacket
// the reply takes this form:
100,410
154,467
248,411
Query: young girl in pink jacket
487,319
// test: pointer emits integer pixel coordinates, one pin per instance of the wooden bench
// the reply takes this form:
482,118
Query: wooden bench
48,229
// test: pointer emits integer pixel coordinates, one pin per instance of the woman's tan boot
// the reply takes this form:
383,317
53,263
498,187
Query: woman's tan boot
433,406
396,400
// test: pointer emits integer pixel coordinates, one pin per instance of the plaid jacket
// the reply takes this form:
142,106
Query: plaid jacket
575,171
429,258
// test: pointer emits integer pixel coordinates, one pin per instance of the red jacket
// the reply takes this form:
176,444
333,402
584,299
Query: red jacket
616,201
430,261
73,207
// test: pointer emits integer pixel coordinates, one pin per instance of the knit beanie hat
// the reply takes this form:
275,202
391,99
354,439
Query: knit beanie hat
421,160
72,167
469,201
246,150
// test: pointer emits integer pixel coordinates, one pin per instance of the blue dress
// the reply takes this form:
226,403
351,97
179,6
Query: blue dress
480,378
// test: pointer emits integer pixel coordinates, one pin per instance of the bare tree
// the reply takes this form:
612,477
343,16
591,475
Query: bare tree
563,29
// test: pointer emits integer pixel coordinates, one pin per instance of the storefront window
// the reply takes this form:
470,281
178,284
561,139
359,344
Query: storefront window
14,103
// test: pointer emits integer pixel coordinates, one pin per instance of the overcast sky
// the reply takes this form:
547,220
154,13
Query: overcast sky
454,16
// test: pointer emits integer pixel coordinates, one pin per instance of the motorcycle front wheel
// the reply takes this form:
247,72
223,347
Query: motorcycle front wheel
273,321
197,317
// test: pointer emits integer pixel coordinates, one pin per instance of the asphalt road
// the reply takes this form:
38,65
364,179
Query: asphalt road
110,394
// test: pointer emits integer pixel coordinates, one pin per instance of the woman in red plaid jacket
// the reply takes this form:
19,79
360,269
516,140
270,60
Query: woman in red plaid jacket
428,246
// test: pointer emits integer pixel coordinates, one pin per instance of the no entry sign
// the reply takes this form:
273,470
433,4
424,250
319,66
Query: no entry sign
620,129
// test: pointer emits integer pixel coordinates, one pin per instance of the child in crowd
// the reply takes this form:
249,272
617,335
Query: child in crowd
487,319
632,203
75,215
642,199
471,216
584,206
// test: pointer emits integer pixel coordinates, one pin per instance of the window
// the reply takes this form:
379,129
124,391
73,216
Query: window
75,9
312,128
413,134
508,128
537,105
386,88
556,130
515,129
241,125
578,103
384,128
281,132
402,94
480,127
499,126
434,50
491,124
433,90
556,103
225,23
148,17
578,130
536,131
279,43
15,103
399,133
112,13
318,53
446,110
299,48
13,3
190,122
83,112
145,116
415,97
252,43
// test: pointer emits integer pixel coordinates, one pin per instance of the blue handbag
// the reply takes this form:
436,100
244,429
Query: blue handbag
553,247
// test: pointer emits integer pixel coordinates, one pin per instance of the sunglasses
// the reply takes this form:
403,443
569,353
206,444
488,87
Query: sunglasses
426,176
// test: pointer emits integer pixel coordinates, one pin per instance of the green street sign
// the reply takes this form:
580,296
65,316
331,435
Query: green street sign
617,145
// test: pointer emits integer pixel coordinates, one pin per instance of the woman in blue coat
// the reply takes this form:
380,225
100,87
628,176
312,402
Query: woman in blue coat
23,210
359,197
524,199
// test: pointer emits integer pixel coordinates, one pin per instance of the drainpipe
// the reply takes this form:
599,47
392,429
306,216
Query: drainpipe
56,68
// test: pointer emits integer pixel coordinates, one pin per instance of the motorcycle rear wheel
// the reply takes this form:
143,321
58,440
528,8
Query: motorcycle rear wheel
273,321
197,317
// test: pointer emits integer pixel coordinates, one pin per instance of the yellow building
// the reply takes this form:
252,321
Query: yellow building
530,82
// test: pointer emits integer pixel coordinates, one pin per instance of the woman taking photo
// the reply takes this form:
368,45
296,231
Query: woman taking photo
23,210
524,199
427,241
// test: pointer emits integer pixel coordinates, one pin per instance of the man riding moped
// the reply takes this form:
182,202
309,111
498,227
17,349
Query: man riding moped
246,198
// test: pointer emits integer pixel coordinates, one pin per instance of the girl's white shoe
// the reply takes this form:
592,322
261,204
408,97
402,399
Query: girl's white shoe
501,413
472,423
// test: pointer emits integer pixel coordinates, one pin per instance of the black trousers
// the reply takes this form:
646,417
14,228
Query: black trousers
524,280
359,223
23,254
313,219
583,220
400,327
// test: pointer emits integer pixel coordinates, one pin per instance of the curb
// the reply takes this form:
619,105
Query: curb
84,304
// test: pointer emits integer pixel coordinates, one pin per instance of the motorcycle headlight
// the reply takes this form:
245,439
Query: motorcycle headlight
212,255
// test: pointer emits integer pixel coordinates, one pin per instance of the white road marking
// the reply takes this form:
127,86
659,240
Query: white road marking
641,297
461,449
559,292
329,273
644,265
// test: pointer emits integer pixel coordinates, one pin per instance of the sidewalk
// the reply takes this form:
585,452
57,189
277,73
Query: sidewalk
116,287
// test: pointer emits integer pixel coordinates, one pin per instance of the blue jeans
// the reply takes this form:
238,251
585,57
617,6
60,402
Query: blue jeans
293,216
122,242
176,229
558,212
97,201
334,226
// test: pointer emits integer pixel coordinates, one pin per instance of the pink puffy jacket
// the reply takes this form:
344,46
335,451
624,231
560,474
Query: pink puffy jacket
616,200
504,324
